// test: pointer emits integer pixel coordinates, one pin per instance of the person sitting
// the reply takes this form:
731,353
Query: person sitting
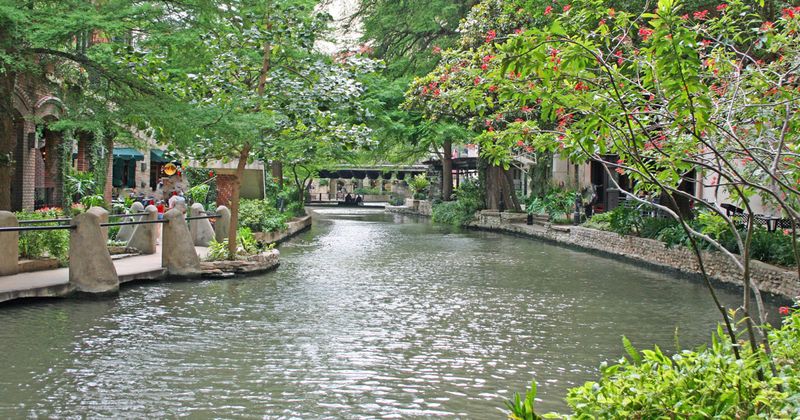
359,199
348,199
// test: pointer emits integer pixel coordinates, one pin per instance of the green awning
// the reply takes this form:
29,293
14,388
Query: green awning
128,153
157,156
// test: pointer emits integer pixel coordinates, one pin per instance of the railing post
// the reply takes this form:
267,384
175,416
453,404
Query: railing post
202,232
178,255
90,267
222,225
144,236
9,245
126,232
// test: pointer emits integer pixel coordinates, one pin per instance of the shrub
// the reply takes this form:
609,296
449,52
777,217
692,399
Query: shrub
368,191
419,184
557,203
260,216
90,201
704,383
44,243
600,221
396,200
469,199
625,219
248,245
651,227
708,382
198,194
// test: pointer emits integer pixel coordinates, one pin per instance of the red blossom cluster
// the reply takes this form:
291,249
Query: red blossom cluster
702,15
491,35
645,33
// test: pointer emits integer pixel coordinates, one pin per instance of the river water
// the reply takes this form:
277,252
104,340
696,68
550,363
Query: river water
369,315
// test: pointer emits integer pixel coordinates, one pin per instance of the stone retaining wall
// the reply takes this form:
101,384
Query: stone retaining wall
292,228
264,261
418,207
771,279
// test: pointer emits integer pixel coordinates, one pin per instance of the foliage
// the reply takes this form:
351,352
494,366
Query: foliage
651,227
79,184
90,201
247,246
461,211
626,219
295,209
523,409
396,200
419,185
202,176
708,382
44,243
556,203
368,191
260,216
198,194
600,221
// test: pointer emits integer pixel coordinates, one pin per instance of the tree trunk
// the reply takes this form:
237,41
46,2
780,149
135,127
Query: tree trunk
7,138
447,170
237,184
276,168
500,194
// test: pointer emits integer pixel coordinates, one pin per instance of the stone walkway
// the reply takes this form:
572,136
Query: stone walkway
50,283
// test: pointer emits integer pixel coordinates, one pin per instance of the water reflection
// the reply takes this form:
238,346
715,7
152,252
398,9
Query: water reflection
369,315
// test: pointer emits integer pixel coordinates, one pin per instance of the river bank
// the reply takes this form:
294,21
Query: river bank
782,283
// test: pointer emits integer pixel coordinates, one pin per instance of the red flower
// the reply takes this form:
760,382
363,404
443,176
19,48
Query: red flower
491,35
581,87
566,8
685,17
477,81
612,12
790,12
645,33
767,26
520,143
492,88
211,174
525,109
701,15
548,10
783,310
602,22
519,120
484,66
722,7
487,58
436,92
437,49
518,31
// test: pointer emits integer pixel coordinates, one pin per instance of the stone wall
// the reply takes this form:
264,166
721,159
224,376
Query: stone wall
293,227
412,206
771,279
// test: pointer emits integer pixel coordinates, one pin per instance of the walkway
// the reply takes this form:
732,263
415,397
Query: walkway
51,283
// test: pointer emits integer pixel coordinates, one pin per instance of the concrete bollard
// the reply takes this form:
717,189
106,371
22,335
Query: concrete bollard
202,232
144,236
178,255
126,232
90,267
9,245
223,224
103,215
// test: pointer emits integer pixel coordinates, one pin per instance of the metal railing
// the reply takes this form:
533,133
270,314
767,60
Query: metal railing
107,224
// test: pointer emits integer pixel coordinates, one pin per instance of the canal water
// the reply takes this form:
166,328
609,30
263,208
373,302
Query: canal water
369,315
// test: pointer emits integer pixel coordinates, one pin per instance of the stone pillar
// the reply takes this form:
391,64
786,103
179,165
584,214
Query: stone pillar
223,224
126,231
178,255
202,232
90,267
9,245
144,236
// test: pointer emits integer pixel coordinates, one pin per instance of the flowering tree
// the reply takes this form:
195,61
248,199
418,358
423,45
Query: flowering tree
666,93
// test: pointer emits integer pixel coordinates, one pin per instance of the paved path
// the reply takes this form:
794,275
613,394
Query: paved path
56,282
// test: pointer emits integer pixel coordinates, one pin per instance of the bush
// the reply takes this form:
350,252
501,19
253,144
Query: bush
368,191
419,184
248,245
557,203
198,194
469,199
651,227
625,219
600,221
44,243
705,383
260,216
396,200
708,382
